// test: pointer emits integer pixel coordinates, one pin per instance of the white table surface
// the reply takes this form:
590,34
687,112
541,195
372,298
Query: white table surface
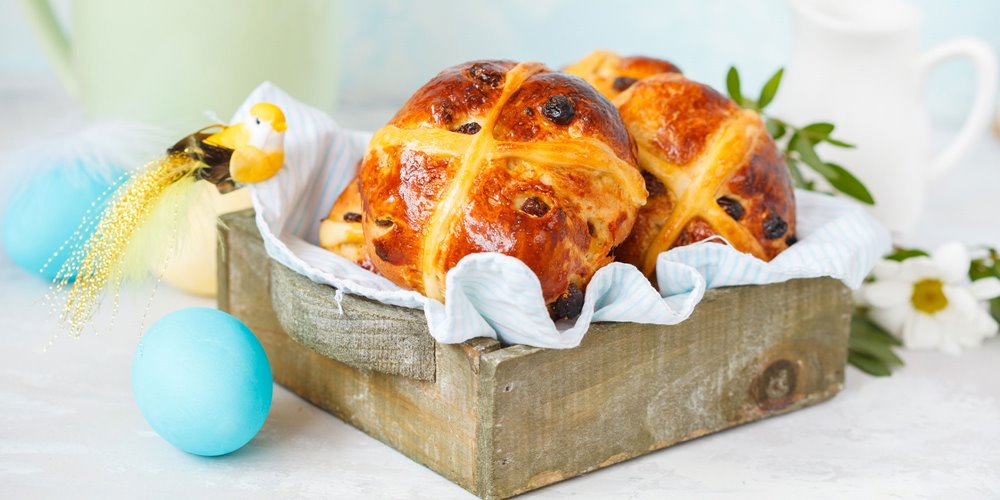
69,425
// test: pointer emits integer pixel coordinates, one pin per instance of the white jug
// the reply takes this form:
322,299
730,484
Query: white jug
857,64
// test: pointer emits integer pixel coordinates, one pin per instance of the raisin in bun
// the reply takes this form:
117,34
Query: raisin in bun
612,74
711,169
496,156
341,231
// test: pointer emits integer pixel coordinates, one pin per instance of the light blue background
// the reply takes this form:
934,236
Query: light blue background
393,46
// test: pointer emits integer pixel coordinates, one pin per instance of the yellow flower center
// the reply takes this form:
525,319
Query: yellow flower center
928,296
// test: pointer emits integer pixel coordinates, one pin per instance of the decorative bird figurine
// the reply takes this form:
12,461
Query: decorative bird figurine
140,225
247,152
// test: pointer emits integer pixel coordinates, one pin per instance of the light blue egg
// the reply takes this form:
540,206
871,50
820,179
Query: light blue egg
45,210
202,381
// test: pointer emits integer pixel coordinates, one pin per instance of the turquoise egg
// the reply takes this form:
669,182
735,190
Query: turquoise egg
45,210
202,381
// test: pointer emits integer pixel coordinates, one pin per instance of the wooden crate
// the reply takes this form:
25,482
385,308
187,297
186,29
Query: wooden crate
500,421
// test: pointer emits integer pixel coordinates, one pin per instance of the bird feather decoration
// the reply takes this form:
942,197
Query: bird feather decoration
140,226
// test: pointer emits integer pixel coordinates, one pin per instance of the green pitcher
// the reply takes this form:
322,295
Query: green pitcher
168,62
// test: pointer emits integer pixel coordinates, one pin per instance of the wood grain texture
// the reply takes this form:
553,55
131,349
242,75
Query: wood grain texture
745,354
503,421
432,423
358,332
242,274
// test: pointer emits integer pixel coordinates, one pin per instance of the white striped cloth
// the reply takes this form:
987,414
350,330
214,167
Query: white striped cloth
493,295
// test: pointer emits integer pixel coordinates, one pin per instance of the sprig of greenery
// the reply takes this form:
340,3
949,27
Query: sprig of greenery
986,267
870,347
800,147
901,254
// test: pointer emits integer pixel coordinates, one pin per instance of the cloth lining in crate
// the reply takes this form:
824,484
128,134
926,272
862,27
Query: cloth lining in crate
493,295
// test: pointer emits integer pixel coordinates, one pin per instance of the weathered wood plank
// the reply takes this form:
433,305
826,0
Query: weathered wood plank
367,335
500,422
361,333
241,256
433,423
745,354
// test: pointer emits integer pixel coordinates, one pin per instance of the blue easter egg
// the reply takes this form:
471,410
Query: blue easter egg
44,212
202,381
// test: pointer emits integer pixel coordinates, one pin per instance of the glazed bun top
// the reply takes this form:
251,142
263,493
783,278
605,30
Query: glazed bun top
711,168
498,156
612,74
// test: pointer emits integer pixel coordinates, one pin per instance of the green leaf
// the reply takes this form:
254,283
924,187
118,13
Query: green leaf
873,347
868,364
862,325
804,147
871,341
984,267
837,143
733,85
988,267
980,269
995,308
802,142
775,127
817,132
797,177
820,132
770,89
846,183
901,255
837,176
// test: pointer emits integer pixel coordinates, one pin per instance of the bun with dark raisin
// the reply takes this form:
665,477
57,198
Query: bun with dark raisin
612,74
710,167
341,231
498,156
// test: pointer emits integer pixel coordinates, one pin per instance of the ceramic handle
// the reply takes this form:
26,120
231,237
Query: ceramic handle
53,40
984,61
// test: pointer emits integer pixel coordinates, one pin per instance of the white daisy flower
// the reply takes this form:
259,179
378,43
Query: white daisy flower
929,302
